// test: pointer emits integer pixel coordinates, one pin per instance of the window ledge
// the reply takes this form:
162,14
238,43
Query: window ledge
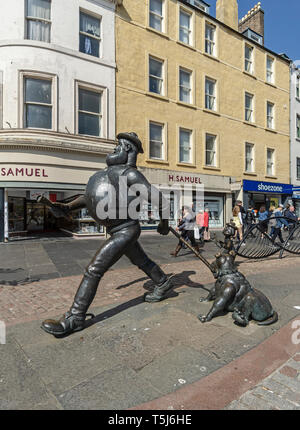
249,74
217,169
297,98
186,45
298,139
250,123
250,173
214,112
189,105
271,176
212,57
271,85
159,33
186,164
154,160
157,96
271,130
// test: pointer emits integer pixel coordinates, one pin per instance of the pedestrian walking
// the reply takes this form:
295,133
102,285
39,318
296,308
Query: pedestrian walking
292,220
280,222
186,227
206,225
272,221
263,216
238,222
249,218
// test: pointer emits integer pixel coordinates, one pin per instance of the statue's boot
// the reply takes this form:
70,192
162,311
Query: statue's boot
163,285
74,319
175,253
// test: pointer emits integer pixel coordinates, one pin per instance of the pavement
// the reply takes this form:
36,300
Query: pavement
135,355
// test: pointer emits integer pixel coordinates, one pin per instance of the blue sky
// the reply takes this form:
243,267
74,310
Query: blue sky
281,23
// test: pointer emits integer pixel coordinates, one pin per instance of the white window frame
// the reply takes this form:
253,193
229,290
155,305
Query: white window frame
162,78
32,18
271,118
189,89
214,150
99,39
190,29
103,114
298,87
211,43
271,162
163,141
161,17
249,160
41,76
298,168
250,109
190,132
270,71
211,97
249,62
298,126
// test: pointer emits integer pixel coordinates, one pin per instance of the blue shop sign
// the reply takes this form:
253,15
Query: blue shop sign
267,187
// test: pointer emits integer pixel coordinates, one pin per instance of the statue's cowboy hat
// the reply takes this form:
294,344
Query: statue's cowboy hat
133,138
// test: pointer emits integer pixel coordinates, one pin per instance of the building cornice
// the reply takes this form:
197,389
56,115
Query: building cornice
51,141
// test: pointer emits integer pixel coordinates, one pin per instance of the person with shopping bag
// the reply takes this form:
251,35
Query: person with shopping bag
206,233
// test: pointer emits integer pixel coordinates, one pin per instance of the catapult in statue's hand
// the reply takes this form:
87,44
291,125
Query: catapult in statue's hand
163,227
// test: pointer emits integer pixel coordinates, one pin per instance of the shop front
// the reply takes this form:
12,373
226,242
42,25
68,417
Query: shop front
199,191
258,193
21,215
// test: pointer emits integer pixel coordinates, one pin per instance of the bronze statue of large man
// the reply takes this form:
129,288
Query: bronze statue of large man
123,228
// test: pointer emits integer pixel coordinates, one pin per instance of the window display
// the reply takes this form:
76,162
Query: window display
16,214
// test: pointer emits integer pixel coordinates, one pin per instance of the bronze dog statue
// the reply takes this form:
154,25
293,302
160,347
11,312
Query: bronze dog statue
232,292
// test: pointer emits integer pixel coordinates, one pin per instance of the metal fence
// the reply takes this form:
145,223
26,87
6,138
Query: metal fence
265,238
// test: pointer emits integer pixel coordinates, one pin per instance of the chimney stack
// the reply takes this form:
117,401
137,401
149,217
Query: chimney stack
255,20
227,12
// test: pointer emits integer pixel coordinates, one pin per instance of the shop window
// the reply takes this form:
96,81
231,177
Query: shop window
89,35
38,107
38,20
89,112
16,214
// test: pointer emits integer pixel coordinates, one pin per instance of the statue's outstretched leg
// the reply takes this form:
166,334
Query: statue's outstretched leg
163,284
108,254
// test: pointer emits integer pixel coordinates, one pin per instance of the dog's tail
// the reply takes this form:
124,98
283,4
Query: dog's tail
273,319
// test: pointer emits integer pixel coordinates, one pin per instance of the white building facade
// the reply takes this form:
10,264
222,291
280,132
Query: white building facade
57,107
295,134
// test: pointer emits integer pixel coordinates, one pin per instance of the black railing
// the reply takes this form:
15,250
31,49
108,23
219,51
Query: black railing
266,238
